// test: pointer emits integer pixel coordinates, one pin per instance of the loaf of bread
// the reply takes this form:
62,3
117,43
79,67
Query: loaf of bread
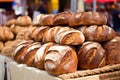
91,55
16,29
9,47
112,48
20,51
62,18
25,34
87,18
70,37
30,53
64,35
98,33
60,59
37,33
49,35
24,21
43,20
10,22
6,34
40,55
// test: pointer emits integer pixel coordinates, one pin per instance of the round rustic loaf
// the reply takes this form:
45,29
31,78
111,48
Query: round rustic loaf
91,55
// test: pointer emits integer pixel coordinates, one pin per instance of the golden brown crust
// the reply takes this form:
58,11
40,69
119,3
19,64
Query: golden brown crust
91,55
9,47
62,18
30,53
40,55
38,33
60,60
49,34
70,37
20,51
10,22
29,58
47,20
98,33
24,21
16,29
87,18
5,34
25,34
112,48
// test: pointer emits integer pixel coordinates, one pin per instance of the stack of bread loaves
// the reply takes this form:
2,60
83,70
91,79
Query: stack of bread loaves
10,30
54,39
5,35
16,25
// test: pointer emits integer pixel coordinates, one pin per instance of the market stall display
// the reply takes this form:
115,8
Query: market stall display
67,43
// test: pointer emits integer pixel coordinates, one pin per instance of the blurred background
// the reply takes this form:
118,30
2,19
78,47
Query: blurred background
13,8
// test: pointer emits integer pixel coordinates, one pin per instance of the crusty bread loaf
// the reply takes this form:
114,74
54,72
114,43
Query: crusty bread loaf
64,35
25,34
60,59
20,51
49,35
38,32
91,55
69,37
30,53
43,20
98,33
62,18
5,34
47,20
40,55
16,29
24,21
87,18
9,47
112,48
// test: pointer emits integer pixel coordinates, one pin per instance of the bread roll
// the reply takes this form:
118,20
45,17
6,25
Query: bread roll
24,21
10,22
91,55
62,18
30,53
20,50
70,37
40,55
43,20
98,33
87,18
25,34
16,29
112,48
60,60
38,32
5,34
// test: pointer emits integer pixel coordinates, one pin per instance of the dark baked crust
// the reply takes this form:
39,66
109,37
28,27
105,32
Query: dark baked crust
91,55
87,18
98,33
62,18
112,48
